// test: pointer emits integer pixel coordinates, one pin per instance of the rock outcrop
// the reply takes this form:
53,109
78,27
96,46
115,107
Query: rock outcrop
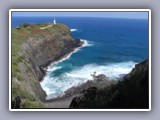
33,49
130,92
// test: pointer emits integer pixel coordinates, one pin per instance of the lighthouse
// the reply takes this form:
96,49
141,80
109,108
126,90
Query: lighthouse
54,21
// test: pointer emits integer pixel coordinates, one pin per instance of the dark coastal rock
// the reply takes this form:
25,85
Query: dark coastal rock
83,100
99,79
122,75
16,104
130,92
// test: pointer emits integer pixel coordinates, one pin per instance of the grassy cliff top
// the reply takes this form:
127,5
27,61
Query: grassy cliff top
26,31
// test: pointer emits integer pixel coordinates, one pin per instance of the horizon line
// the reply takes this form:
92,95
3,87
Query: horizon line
81,17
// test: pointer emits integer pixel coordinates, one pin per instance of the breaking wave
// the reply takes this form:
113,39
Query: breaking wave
73,30
56,86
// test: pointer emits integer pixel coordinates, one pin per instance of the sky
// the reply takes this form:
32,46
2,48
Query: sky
131,15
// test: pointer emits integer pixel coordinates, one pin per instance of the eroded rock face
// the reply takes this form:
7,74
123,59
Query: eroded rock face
33,49
130,92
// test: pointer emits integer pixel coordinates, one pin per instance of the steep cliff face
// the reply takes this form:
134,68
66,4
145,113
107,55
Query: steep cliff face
33,48
130,92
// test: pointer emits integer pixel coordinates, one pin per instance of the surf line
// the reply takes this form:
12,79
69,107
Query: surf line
65,57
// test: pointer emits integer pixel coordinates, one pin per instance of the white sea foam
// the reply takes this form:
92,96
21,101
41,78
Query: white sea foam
51,68
110,70
73,30
87,43
56,86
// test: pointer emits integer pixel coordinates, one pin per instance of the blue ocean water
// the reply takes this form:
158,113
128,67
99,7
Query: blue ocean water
112,47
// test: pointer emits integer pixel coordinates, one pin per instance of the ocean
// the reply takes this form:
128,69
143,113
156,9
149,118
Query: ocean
112,47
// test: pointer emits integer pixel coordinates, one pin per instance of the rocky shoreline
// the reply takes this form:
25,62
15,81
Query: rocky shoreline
102,92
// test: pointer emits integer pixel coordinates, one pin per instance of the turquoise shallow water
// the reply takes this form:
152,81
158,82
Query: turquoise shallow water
112,47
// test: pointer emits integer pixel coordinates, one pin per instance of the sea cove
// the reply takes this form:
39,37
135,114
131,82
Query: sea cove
113,47
62,62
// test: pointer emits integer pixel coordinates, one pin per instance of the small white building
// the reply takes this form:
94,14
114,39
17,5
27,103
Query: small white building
54,21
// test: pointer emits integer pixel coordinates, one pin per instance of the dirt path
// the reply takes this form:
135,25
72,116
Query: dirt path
63,103
46,27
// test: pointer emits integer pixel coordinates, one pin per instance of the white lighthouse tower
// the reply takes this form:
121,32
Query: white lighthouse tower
54,21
